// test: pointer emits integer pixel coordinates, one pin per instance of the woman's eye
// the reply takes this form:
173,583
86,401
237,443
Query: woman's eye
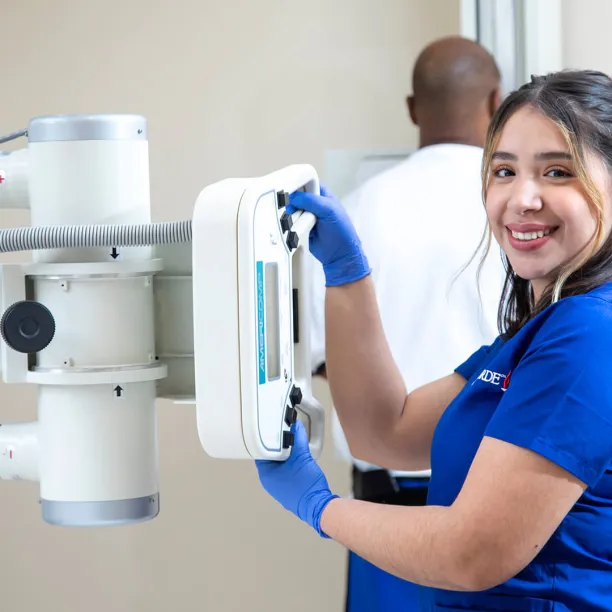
558,173
502,172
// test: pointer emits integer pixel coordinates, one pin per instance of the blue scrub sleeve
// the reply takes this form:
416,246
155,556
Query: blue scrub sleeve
473,364
558,402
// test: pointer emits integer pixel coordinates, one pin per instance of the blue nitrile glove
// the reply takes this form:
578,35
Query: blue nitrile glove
333,240
298,483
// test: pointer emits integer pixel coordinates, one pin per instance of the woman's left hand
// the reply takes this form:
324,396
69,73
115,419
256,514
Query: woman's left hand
298,483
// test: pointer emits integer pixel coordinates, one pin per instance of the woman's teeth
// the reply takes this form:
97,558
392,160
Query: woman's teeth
530,235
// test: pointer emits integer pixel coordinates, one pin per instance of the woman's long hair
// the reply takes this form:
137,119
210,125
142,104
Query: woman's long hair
580,104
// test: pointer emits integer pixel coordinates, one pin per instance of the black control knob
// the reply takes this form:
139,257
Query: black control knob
292,240
286,222
282,199
288,439
27,326
290,415
295,396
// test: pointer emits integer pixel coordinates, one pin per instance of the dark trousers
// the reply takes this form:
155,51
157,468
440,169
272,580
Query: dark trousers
370,589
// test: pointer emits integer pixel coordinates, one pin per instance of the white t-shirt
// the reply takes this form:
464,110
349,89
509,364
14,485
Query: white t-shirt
420,222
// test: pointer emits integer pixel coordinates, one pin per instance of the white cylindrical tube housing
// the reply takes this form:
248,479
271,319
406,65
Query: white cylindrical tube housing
98,454
89,170
97,436
14,179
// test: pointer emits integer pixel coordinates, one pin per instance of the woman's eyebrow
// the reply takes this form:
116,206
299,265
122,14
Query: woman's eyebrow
544,156
551,155
504,156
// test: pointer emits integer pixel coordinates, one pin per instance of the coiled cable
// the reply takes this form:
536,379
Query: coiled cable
75,236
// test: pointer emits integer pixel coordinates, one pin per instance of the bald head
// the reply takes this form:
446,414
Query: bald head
455,85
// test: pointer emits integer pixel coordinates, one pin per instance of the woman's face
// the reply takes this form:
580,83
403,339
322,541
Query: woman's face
536,205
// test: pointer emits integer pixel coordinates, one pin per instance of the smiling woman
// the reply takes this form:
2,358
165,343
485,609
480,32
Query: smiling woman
518,437
534,199
547,172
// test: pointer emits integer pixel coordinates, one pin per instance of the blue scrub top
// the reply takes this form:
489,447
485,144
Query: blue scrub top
547,389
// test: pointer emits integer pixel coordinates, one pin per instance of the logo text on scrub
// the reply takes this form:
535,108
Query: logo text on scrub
494,378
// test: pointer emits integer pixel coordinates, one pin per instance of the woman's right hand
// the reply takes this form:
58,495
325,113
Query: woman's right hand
333,240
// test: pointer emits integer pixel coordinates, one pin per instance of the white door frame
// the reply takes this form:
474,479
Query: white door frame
524,36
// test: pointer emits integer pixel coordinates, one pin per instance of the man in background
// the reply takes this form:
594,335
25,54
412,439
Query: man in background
420,222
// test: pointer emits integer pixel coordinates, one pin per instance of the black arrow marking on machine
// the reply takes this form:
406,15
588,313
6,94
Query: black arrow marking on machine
114,253
118,390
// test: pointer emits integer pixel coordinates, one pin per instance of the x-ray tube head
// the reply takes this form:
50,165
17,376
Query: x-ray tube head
97,457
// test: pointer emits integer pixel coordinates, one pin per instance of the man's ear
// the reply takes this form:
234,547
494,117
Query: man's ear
495,99
411,111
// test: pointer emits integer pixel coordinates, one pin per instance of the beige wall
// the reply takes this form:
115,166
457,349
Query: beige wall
586,34
229,88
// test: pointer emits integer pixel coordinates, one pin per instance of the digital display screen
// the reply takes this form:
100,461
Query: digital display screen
272,321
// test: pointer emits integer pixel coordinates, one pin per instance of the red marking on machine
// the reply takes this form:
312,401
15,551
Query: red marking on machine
11,454
2,177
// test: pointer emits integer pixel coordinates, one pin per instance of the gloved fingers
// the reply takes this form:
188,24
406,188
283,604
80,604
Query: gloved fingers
325,192
301,436
309,202
301,445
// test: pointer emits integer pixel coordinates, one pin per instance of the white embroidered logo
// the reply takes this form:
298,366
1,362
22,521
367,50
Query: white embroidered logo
494,378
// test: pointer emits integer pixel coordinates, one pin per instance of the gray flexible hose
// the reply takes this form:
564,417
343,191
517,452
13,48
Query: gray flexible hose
71,236
13,136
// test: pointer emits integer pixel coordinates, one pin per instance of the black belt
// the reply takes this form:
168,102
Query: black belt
380,487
